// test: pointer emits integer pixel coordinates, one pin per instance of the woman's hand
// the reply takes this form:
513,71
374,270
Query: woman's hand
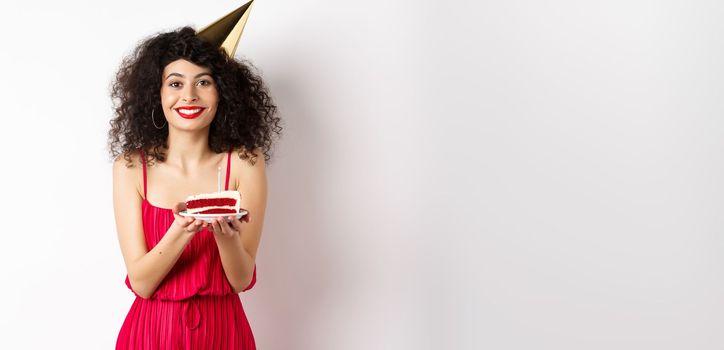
227,226
185,224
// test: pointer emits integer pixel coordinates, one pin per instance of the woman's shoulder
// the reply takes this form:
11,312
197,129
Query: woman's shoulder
128,160
128,166
242,169
247,159
127,172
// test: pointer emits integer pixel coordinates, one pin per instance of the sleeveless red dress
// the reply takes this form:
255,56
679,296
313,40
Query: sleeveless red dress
194,307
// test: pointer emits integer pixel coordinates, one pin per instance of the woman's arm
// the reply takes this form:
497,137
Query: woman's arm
238,251
237,262
145,269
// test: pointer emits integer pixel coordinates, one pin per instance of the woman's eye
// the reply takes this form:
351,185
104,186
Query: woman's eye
176,84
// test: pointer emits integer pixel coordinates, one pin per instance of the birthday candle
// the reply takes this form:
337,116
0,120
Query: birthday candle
218,177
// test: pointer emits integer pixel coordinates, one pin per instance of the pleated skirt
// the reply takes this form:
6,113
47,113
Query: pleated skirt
200,322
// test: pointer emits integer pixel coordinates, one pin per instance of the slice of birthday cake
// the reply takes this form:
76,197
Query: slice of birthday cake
224,202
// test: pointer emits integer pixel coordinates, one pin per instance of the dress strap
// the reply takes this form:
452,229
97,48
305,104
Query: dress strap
143,160
228,169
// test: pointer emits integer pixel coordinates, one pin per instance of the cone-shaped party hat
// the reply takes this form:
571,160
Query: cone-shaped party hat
226,31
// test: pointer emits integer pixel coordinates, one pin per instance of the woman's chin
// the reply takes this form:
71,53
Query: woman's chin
190,126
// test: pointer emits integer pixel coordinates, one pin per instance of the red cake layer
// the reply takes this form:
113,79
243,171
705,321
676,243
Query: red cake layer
218,211
211,202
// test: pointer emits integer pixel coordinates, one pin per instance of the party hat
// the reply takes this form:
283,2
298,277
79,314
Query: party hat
226,31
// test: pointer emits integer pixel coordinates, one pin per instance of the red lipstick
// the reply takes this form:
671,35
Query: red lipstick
185,111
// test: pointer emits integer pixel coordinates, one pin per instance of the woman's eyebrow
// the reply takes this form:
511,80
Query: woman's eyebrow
182,76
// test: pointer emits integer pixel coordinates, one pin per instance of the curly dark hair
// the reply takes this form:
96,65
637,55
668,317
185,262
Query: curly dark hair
250,115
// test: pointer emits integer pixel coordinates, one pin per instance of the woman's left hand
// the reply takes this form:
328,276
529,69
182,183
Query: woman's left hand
227,226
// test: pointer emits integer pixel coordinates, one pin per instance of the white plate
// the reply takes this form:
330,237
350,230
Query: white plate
211,217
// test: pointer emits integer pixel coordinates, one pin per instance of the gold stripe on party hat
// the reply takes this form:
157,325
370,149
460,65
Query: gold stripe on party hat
226,31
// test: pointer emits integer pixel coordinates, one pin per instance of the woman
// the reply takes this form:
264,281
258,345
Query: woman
184,108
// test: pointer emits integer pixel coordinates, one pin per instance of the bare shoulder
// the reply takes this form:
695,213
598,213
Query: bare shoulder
256,157
134,157
249,178
128,173
242,170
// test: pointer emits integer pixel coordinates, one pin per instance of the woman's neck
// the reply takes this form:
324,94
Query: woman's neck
187,150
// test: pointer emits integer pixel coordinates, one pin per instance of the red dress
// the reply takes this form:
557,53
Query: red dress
194,307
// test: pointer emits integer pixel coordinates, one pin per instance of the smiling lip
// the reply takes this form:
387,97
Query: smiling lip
184,111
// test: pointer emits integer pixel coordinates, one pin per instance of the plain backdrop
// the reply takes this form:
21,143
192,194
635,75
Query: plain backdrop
452,175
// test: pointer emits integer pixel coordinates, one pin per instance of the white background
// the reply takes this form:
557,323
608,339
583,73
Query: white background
453,175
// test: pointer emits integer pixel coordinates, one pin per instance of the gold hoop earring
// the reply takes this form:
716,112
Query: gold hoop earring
154,121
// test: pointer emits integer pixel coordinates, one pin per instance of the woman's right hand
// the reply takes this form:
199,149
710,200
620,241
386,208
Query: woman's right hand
185,224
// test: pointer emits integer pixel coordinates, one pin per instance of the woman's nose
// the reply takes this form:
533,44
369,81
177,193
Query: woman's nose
190,95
